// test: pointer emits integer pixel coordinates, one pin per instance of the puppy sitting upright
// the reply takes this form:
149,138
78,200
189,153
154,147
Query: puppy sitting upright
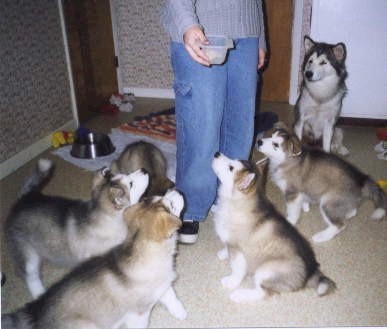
322,91
119,288
308,175
258,239
65,231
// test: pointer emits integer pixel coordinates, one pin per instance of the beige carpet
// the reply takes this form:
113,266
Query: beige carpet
356,259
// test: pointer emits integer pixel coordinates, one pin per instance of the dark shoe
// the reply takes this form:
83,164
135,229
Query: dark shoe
188,233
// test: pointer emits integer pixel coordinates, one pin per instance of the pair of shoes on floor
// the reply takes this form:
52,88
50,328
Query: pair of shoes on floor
188,233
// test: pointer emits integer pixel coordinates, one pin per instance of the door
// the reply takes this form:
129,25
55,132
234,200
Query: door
276,77
91,47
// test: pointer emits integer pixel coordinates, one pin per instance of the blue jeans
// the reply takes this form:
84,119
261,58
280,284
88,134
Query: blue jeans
215,109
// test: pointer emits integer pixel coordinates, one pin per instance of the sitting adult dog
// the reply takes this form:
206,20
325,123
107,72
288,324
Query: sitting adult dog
322,91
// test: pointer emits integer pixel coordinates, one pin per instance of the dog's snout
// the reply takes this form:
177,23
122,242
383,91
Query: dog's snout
309,74
217,155
259,142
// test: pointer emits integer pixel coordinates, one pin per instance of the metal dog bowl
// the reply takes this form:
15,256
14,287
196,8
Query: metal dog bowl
91,146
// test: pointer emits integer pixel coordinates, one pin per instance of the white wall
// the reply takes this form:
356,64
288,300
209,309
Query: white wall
362,26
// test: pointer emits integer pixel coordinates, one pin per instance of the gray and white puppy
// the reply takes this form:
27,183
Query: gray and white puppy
145,155
120,288
65,231
322,91
307,175
258,240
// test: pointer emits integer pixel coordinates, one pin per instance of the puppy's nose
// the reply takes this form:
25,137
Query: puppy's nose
309,74
259,142
143,171
217,154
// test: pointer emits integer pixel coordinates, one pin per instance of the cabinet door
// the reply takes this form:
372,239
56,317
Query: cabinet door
91,47
276,78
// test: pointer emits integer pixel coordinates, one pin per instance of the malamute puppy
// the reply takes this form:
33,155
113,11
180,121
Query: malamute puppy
308,175
258,239
119,288
322,92
145,155
65,231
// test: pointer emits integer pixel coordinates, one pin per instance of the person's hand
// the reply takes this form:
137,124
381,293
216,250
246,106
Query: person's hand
193,38
262,58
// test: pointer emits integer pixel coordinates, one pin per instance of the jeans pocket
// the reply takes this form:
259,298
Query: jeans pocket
185,114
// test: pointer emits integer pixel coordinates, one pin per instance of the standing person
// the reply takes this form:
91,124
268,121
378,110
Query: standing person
214,104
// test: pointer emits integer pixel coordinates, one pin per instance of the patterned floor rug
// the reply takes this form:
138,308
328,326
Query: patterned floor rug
162,125
158,125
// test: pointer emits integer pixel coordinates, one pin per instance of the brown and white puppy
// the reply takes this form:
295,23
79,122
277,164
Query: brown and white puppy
307,175
148,156
44,228
258,240
119,288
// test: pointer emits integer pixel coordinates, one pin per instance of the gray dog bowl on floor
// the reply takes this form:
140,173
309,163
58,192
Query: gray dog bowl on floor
91,146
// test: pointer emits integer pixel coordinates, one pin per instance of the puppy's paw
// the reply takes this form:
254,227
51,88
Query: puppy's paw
247,295
327,234
306,206
174,201
378,214
342,150
222,254
179,312
230,282
292,219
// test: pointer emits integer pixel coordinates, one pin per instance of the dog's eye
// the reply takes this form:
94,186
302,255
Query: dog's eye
275,145
323,62
130,184
310,61
231,168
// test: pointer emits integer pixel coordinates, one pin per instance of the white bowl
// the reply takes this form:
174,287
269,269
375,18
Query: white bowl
217,48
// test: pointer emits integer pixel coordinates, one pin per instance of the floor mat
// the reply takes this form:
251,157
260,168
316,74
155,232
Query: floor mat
162,125
158,125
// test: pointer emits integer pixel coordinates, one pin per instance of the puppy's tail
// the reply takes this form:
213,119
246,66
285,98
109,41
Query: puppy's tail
321,283
372,191
36,181
17,320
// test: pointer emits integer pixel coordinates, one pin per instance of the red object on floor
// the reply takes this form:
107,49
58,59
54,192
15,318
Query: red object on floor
381,133
108,108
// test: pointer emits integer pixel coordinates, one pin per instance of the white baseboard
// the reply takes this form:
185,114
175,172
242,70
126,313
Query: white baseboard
150,92
12,164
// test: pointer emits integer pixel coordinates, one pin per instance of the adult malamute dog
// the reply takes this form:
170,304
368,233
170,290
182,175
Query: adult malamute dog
64,231
145,155
119,288
308,175
322,92
258,239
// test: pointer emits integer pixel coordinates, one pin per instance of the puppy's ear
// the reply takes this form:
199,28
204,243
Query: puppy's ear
308,43
246,181
261,166
340,52
117,197
280,125
164,226
295,145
